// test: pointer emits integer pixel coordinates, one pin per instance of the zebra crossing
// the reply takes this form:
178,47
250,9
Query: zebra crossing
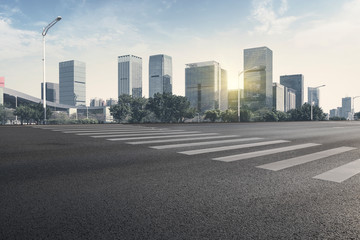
202,143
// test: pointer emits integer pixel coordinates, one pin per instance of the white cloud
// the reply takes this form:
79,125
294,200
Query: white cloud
283,7
267,20
16,43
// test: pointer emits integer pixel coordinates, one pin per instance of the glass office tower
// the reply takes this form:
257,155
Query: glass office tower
206,86
160,74
347,108
52,92
72,83
295,82
258,82
130,75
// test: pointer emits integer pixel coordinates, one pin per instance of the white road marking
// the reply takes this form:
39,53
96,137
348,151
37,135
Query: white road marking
263,152
141,134
159,137
341,173
279,165
240,146
126,132
115,130
204,143
181,139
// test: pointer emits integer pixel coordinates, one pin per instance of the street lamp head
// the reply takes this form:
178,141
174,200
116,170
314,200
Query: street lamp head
319,86
46,29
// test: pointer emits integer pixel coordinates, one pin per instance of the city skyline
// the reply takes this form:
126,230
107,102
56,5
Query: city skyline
317,39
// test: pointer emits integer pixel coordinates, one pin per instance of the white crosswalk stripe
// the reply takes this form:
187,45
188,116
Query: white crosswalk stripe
243,156
116,130
126,132
165,136
181,139
143,134
279,165
341,173
204,143
232,147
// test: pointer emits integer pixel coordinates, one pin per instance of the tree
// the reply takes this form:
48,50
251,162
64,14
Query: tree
229,116
38,113
182,108
245,115
122,109
271,116
212,115
138,109
24,112
304,113
282,116
170,108
3,114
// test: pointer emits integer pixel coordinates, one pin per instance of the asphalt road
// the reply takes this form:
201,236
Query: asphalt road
126,182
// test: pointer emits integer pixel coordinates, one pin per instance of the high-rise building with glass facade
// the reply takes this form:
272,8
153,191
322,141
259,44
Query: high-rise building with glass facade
347,109
278,97
160,74
314,96
289,99
258,82
52,92
295,82
130,75
233,98
206,86
72,83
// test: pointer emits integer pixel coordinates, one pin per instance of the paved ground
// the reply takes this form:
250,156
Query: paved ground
193,181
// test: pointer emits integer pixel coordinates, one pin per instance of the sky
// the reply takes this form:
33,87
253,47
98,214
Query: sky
319,39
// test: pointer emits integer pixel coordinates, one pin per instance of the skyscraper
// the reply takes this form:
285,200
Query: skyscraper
278,97
52,92
258,83
130,75
295,82
347,110
72,83
206,86
289,99
160,74
314,96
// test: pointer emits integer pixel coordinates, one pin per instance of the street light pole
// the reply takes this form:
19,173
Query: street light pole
255,68
45,30
311,102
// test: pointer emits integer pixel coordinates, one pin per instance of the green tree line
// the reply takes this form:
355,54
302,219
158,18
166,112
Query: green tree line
265,115
32,113
167,108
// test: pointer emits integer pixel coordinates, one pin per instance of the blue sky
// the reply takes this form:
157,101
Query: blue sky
317,38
